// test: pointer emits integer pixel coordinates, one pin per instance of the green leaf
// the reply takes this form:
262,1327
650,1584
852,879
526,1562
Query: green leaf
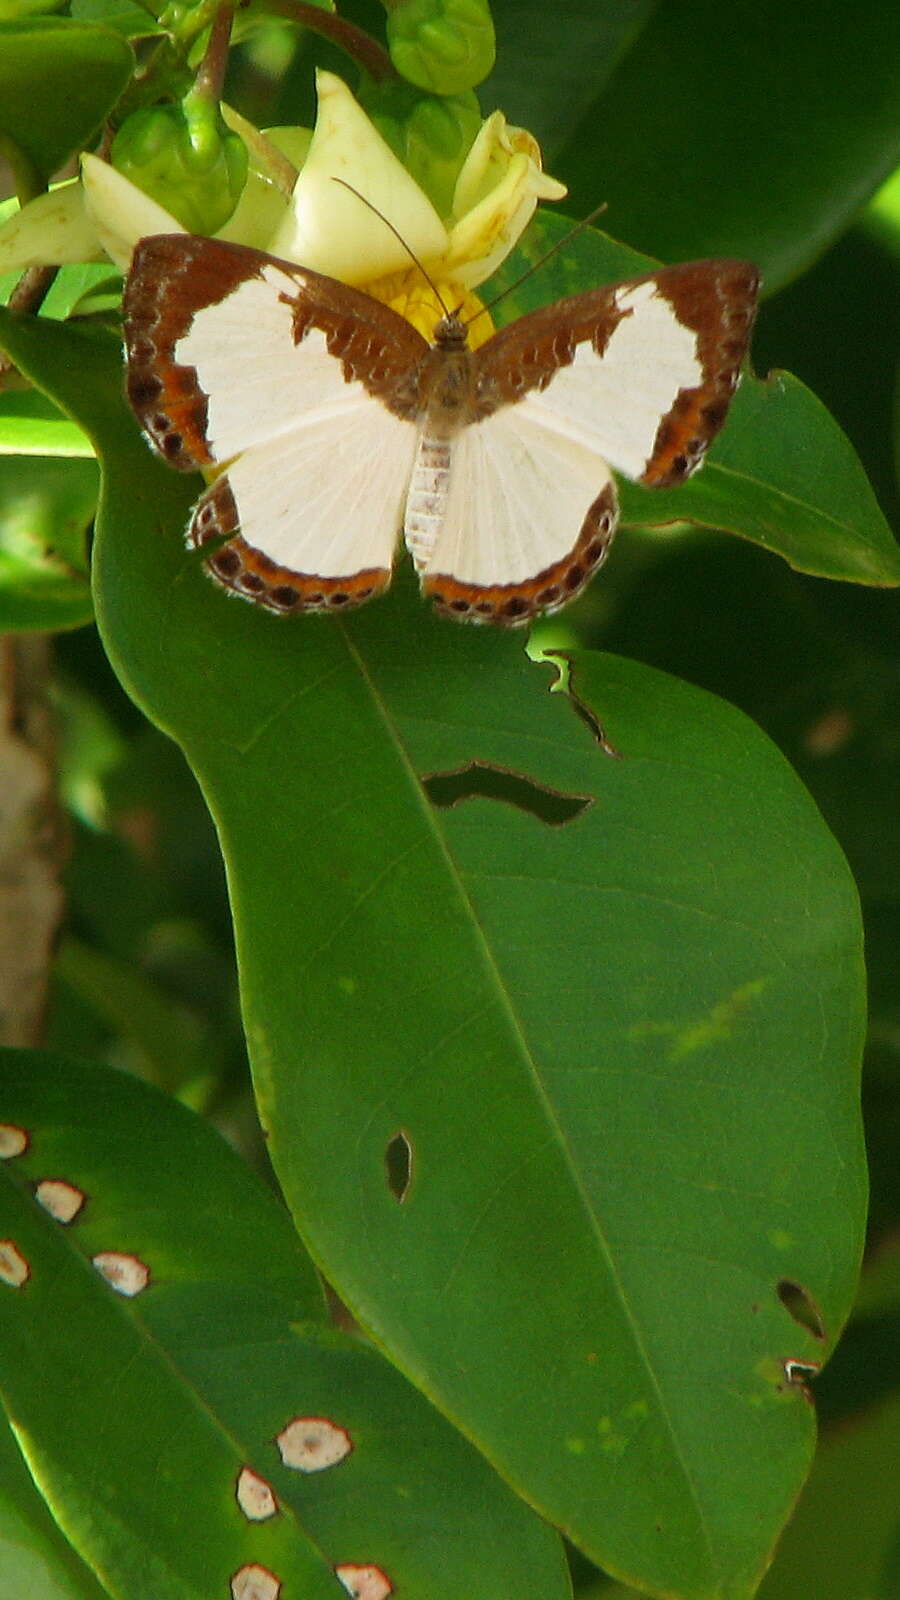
615,1058
35,1559
172,1040
31,425
193,1378
553,66
844,1540
58,79
124,16
46,505
782,473
75,285
744,130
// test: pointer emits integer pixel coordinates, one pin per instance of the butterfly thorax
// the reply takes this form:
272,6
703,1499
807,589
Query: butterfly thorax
447,392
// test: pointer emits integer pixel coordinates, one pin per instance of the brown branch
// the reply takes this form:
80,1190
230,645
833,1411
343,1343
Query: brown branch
210,79
355,42
28,296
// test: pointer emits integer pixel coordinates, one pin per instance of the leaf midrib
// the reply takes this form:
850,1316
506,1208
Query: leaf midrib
518,1034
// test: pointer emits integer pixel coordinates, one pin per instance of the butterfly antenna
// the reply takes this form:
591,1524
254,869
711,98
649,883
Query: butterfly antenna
536,266
399,237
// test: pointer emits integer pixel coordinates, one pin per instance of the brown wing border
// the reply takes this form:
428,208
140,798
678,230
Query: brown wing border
245,571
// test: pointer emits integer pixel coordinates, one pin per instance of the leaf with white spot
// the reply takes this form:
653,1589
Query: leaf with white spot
284,1448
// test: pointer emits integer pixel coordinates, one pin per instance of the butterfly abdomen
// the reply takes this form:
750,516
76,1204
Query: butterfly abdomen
426,500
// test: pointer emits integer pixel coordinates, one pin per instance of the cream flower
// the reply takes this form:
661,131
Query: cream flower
318,223
335,232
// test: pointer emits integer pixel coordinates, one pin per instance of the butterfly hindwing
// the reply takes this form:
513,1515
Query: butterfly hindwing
505,551
303,389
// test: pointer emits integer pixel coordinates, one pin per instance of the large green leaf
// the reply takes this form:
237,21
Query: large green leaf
552,67
746,129
784,475
138,1414
615,1058
58,79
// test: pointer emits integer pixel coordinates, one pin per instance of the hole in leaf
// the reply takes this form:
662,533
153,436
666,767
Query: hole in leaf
564,684
796,1300
800,1373
398,1159
487,782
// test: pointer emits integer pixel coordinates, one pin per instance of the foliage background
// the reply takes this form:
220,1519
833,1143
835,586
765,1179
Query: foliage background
771,135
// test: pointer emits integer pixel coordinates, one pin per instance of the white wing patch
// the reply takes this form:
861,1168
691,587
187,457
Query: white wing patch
521,485
326,495
257,380
615,402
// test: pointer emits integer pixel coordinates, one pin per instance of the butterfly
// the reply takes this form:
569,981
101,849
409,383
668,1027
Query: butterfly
326,423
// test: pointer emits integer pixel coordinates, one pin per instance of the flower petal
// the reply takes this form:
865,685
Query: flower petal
333,231
496,194
49,231
486,163
120,212
486,235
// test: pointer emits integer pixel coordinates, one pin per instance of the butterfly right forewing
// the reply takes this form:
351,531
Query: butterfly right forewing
645,368
636,376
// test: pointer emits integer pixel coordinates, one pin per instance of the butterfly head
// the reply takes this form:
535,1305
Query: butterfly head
450,333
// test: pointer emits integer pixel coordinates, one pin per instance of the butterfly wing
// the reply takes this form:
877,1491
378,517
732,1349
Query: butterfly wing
301,390
637,376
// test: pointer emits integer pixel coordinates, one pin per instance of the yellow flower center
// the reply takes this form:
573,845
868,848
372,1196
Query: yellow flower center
408,293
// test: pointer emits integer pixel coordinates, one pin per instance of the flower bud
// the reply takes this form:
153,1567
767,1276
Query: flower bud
446,46
184,157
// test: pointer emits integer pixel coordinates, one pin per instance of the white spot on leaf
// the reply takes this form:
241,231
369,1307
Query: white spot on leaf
14,1269
255,1497
126,1274
310,1444
364,1583
255,1583
61,1199
13,1141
